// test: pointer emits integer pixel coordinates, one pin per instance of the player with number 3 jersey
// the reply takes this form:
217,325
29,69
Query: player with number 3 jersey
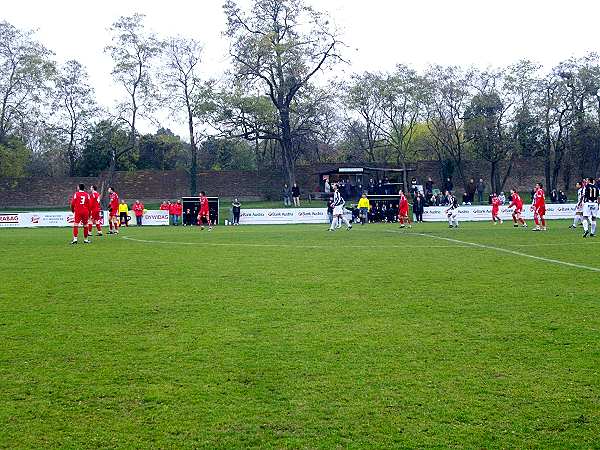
80,206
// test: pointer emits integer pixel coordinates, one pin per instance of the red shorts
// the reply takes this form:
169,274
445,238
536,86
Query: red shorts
518,211
541,211
495,212
403,213
81,217
95,215
113,213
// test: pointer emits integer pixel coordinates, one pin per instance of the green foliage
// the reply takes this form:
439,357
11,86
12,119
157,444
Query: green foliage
104,139
227,154
14,158
160,151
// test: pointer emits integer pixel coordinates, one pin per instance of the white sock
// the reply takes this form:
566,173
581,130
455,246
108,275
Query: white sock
593,227
333,223
585,224
345,221
576,220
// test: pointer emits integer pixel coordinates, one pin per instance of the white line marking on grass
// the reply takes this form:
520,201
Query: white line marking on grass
245,244
512,252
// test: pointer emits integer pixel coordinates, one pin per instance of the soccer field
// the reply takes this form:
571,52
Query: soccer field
293,337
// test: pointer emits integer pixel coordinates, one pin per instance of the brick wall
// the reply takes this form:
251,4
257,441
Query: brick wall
150,186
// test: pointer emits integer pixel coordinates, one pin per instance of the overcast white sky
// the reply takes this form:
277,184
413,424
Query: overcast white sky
379,33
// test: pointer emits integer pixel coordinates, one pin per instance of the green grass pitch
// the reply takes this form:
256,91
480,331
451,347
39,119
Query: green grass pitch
293,337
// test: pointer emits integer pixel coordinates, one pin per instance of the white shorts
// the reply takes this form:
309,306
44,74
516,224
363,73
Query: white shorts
453,214
338,211
579,209
590,209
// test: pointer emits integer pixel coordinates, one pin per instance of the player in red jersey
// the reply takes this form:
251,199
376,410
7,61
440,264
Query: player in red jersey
539,208
496,209
403,210
95,211
517,203
80,206
204,212
113,212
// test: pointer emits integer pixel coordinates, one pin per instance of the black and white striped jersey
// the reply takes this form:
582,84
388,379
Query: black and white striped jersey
590,194
338,200
580,195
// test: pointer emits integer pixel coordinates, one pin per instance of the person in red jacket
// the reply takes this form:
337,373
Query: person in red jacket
539,208
172,213
138,210
403,210
80,206
177,212
496,209
113,212
95,212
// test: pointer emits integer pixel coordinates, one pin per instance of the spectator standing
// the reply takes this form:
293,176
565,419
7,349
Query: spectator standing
429,186
138,210
562,197
177,210
418,207
553,196
164,206
327,187
171,213
123,211
296,195
330,210
471,189
413,187
187,217
480,190
448,185
236,209
287,195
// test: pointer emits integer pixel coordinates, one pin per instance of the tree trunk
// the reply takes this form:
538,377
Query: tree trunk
287,146
194,157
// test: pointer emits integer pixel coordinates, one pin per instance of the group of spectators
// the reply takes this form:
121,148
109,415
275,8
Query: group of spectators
138,210
175,210
291,194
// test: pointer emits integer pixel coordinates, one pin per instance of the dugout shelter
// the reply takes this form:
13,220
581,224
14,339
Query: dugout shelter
193,204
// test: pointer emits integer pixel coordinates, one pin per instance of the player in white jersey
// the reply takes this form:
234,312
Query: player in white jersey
591,197
338,210
452,211
579,206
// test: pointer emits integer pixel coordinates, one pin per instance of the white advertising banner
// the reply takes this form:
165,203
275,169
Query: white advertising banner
151,217
484,212
66,219
283,216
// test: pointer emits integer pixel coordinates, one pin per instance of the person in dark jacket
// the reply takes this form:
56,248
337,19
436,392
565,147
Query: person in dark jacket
471,189
448,185
296,195
418,207
236,209
480,190
429,185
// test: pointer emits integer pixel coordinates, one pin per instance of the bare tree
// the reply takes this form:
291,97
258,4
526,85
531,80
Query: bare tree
279,46
184,90
25,73
133,51
73,108
447,97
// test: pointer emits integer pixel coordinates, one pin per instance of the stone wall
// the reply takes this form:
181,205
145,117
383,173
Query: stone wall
150,186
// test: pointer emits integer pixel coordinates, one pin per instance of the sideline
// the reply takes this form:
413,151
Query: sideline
511,252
